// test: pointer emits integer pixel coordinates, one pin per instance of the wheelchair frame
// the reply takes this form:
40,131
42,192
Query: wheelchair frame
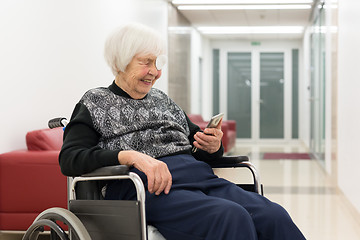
85,218
82,220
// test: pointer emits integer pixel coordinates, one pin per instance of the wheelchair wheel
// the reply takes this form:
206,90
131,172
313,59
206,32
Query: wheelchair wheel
50,218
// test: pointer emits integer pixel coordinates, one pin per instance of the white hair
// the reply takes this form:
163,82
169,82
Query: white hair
126,42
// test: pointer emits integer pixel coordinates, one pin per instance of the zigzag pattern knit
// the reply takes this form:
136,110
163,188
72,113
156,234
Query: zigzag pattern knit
154,125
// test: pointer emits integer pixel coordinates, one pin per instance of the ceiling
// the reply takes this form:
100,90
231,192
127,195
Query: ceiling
250,18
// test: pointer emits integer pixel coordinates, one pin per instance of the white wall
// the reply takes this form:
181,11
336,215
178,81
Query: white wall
196,53
304,94
51,52
348,97
207,69
200,48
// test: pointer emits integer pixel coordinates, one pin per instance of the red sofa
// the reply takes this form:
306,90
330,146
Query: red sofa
31,180
228,127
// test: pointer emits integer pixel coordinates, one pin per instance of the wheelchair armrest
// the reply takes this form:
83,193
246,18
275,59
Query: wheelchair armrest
229,162
239,161
108,171
93,182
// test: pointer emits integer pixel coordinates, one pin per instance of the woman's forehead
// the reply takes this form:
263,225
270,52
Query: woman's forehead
145,56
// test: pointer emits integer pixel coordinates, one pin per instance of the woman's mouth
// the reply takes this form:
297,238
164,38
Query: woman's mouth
147,80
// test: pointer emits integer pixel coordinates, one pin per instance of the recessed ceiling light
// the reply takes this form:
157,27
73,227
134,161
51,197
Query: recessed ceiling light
252,30
192,2
241,7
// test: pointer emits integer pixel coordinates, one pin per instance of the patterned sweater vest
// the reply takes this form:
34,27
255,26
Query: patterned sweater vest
154,125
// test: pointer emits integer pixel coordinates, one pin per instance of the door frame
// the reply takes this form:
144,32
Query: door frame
255,95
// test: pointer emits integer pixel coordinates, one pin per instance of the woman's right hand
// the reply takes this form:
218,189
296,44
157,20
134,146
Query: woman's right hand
158,175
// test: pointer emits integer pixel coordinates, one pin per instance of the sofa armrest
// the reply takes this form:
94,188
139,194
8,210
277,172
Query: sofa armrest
231,124
31,181
45,139
196,118
202,125
225,138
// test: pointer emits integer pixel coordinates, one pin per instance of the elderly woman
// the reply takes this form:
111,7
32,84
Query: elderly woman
132,123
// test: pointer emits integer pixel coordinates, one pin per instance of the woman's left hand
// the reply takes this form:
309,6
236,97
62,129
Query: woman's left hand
210,139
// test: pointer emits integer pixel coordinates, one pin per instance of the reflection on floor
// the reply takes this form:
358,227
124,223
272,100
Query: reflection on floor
302,188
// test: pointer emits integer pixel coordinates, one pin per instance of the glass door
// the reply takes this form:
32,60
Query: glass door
255,95
317,86
272,95
239,92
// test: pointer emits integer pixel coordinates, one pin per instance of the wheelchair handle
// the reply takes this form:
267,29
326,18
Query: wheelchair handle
58,122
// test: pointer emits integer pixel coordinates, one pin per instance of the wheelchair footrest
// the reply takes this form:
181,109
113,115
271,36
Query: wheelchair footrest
107,220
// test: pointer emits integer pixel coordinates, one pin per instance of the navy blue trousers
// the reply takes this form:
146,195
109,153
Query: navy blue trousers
202,206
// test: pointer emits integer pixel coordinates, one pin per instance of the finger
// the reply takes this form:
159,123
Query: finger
209,143
158,183
150,183
165,178
201,139
212,138
217,133
197,145
160,186
202,147
160,189
168,185
205,136
211,131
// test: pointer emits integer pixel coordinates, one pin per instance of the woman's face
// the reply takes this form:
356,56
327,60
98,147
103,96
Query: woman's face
139,76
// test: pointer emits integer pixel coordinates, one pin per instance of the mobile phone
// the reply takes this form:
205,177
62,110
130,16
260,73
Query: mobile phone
214,121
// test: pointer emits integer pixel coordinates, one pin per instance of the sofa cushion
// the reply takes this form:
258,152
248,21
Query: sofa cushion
196,118
45,139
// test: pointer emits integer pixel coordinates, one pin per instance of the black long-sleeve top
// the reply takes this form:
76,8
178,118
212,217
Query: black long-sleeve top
108,120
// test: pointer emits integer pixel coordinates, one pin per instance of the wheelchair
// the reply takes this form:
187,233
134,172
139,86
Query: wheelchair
89,216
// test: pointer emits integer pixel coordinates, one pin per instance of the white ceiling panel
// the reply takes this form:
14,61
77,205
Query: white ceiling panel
263,17
230,18
276,17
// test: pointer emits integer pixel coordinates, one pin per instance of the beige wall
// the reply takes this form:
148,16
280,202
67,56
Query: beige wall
179,45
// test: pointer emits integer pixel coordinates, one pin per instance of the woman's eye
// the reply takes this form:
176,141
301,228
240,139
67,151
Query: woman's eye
147,62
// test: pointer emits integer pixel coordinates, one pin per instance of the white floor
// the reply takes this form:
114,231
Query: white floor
303,188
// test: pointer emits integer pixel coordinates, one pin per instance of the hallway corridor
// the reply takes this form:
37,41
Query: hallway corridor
305,190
